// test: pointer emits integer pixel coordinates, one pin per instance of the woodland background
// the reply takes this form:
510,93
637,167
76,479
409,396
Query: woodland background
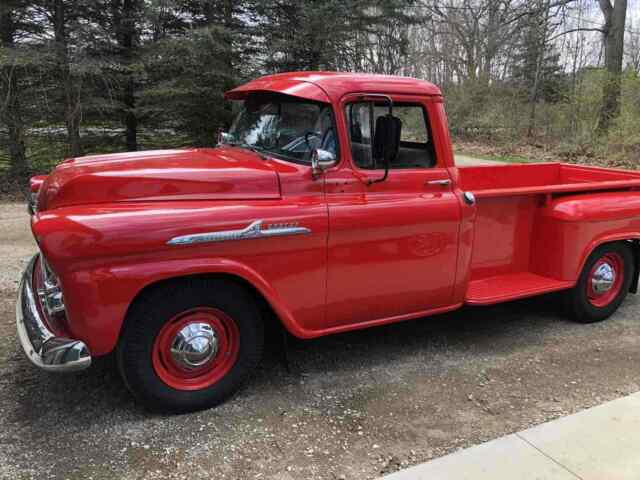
536,79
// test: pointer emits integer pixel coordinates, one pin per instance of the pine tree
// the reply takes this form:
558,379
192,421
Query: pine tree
19,80
334,34
189,71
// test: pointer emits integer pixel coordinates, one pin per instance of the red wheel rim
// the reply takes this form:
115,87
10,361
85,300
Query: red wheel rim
196,348
605,278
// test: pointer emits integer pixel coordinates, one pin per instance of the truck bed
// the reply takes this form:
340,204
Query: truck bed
518,235
522,179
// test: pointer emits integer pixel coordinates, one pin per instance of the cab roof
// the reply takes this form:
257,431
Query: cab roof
331,86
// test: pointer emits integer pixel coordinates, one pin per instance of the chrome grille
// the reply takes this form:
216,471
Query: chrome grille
32,205
50,293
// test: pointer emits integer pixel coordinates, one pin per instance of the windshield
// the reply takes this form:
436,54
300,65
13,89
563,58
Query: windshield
284,126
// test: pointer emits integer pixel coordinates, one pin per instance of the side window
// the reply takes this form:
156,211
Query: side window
416,148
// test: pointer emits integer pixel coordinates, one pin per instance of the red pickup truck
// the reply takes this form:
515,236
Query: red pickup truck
334,202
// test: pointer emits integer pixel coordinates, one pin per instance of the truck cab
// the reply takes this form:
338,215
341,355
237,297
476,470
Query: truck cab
333,202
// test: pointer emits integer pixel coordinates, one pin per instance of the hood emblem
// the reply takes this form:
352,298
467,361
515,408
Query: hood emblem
254,230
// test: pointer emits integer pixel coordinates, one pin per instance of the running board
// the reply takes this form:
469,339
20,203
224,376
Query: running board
511,286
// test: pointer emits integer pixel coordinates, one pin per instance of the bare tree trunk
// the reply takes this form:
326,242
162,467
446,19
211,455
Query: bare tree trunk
615,18
633,51
128,40
72,114
230,67
124,19
541,29
10,109
576,65
12,116
130,118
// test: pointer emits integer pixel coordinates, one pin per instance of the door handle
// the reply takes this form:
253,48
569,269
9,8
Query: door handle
444,182
469,198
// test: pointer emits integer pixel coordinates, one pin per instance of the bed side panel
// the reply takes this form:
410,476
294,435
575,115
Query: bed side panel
569,228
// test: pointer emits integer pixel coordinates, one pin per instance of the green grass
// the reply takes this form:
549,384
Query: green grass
498,158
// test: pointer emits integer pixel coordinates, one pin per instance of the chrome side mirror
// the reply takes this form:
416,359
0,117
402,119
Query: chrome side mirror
223,137
320,161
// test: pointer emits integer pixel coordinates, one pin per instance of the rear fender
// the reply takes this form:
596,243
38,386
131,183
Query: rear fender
570,228
633,238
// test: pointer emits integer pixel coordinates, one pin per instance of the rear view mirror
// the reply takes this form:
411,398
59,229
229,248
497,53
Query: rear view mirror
386,140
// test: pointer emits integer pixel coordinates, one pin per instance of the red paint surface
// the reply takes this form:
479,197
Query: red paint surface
332,86
377,253
161,175
36,182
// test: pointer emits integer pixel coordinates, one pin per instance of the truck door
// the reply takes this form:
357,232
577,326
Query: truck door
393,244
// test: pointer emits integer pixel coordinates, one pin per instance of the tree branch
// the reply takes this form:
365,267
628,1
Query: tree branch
576,30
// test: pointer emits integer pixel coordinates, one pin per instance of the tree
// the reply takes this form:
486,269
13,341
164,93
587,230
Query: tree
335,34
480,30
12,84
632,51
386,36
112,41
613,36
125,15
61,15
537,66
187,77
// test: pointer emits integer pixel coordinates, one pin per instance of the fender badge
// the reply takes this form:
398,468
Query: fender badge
254,230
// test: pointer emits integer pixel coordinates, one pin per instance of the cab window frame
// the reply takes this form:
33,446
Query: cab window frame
428,147
283,98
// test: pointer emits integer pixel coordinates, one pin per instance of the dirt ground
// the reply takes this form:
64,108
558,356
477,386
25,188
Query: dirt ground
353,406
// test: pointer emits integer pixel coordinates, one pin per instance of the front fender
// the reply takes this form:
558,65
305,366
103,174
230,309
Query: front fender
98,299
106,255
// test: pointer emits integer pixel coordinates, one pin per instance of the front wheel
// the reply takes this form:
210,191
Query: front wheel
189,344
603,283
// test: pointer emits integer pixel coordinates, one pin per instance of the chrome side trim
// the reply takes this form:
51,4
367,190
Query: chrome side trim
443,182
254,230
41,346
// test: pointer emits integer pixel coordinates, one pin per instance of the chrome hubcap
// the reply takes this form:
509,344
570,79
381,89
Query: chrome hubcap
603,278
194,345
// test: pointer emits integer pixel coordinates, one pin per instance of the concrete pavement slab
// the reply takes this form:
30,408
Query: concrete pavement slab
601,443
506,458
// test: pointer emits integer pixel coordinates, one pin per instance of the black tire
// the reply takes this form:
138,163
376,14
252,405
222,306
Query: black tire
154,308
577,303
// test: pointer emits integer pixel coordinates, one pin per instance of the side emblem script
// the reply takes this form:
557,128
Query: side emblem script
254,230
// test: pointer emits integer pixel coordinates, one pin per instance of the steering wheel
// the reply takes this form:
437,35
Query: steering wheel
306,138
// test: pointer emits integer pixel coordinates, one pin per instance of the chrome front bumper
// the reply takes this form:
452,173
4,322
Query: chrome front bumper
43,348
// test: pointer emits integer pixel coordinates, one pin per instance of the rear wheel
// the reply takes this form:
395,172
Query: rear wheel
189,344
603,283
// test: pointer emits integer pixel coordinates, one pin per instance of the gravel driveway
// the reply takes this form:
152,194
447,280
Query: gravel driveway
353,406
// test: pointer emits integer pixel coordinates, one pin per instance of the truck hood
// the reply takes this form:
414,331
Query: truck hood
226,173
